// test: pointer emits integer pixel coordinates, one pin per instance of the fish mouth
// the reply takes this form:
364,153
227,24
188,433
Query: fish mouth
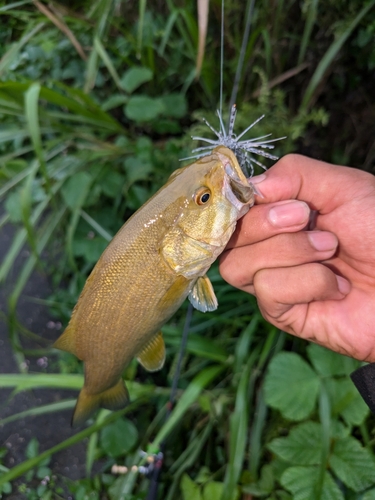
239,194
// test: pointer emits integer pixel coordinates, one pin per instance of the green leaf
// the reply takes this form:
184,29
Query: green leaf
291,386
32,449
112,183
135,77
346,401
89,249
114,101
75,189
329,363
43,472
137,169
302,481
369,495
6,488
118,438
190,490
353,464
214,489
175,105
142,108
13,206
265,485
303,445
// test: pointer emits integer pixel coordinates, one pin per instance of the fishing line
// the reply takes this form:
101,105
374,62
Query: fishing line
241,58
221,57
156,470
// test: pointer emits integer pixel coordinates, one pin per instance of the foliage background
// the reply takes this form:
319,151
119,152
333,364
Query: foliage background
98,101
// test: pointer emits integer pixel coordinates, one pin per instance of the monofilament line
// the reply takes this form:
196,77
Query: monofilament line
221,57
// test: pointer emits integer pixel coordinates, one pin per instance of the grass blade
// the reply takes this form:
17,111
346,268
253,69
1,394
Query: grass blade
30,264
9,56
310,21
62,27
40,410
255,444
167,32
103,54
189,396
141,21
238,433
202,30
329,56
14,5
96,226
18,242
23,382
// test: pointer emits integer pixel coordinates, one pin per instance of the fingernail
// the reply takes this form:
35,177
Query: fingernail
289,214
257,179
254,181
343,285
322,241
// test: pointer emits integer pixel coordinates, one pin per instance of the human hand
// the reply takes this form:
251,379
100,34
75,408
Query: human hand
319,284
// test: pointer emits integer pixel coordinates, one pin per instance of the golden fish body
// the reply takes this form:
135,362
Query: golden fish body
157,259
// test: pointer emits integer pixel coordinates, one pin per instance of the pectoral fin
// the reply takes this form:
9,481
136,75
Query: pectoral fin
187,256
203,296
152,356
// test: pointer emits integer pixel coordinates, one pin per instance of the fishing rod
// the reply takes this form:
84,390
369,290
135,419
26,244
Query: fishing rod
157,466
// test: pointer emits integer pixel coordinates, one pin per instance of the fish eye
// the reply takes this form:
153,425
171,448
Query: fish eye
202,196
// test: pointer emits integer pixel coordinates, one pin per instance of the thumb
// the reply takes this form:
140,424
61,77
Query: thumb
322,185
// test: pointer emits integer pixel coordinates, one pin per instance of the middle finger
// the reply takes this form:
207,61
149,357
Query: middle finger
239,265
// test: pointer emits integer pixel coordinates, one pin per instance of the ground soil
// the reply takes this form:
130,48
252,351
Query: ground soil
49,429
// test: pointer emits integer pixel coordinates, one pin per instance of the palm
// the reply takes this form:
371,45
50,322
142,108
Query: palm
347,325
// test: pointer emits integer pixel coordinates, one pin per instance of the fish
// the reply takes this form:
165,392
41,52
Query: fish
158,258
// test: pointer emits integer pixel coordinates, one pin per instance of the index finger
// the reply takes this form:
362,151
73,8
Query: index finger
322,185
264,221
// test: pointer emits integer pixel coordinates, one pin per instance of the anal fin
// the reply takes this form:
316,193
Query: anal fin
66,341
152,356
203,296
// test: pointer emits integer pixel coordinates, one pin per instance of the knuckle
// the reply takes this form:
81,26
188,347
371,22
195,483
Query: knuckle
289,160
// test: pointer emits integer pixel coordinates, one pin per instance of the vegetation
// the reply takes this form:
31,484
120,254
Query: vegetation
98,101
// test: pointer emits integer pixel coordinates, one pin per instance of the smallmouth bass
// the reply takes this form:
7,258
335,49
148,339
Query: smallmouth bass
159,257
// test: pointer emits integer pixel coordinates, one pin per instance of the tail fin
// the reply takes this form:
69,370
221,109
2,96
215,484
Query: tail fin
114,398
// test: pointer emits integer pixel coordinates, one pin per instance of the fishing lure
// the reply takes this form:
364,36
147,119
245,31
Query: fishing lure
243,149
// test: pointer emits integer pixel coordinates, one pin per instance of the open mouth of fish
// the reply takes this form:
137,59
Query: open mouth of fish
238,191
